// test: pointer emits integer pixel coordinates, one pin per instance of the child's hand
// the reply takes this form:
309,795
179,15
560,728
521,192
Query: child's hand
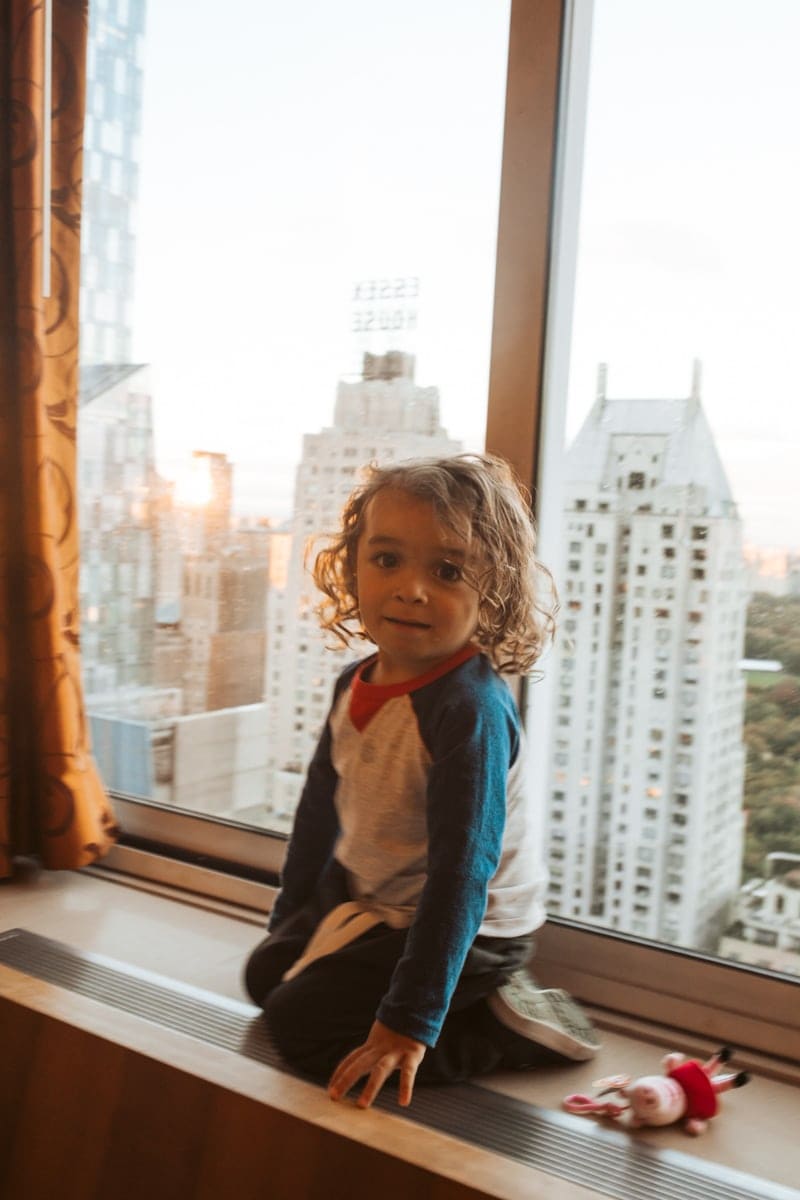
384,1051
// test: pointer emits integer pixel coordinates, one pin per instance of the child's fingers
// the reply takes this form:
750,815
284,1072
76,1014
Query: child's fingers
405,1090
346,1074
377,1078
383,1052
359,1063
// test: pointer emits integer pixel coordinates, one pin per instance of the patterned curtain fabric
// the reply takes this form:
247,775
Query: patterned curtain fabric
52,803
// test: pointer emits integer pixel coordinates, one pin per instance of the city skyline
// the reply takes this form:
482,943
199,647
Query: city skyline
207,677
678,256
221,720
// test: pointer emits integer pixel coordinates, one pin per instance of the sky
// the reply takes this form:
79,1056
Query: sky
295,150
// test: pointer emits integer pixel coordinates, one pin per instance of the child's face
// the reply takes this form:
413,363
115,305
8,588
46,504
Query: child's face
414,602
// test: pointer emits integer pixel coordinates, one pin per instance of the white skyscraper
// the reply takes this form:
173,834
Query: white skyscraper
384,417
645,808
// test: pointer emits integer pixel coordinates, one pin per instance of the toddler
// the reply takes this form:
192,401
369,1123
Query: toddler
413,881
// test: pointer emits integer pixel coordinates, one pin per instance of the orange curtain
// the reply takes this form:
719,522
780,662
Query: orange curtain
52,803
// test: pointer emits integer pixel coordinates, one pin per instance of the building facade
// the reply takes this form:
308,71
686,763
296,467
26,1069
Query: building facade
224,625
114,79
116,474
765,931
383,417
644,818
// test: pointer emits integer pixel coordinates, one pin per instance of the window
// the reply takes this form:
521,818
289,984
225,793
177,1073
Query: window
623,431
378,350
508,374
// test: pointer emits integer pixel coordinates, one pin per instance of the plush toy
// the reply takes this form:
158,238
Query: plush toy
687,1091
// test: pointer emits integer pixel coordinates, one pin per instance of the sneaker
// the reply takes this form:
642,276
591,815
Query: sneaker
547,1016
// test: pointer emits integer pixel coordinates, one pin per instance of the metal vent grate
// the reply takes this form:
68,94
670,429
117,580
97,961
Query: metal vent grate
604,1160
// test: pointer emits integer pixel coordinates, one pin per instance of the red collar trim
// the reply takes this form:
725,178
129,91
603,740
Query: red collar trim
366,699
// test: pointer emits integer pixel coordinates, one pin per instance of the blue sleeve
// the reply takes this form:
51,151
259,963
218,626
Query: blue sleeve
316,825
473,747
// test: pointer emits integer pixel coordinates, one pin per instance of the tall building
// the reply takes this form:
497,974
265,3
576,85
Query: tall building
213,478
645,818
115,428
223,621
383,417
116,472
212,582
114,75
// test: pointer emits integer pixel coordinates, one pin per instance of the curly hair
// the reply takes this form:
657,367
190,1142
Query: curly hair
479,498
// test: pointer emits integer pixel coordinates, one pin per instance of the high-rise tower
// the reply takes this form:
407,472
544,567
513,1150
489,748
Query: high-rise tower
116,467
645,806
116,472
112,128
384,417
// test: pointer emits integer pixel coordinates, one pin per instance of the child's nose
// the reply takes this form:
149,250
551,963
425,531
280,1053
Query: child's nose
410,587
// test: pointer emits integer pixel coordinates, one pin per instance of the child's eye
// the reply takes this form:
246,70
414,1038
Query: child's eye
385,559
449,572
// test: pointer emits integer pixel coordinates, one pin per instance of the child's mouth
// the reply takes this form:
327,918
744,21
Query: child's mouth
407,624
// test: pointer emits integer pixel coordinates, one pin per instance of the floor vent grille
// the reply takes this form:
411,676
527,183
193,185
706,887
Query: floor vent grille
604,1160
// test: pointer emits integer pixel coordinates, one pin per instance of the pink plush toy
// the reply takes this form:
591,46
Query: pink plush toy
687,1091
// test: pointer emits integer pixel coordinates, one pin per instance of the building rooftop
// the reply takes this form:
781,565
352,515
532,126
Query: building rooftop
682,440
98,378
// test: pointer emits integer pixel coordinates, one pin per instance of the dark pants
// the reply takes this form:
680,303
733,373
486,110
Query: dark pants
327,1010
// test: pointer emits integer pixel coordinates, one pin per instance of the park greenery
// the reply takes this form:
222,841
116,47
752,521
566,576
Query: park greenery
772,731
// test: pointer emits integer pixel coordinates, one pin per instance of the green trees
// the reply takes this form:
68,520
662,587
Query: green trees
772,731
773,630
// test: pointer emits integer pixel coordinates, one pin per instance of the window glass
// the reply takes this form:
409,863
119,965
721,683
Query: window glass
287,271
682,748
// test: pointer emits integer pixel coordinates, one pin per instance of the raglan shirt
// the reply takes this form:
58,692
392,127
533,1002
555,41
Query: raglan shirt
418,789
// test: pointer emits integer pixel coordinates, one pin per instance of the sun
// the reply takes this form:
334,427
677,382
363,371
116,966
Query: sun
193,486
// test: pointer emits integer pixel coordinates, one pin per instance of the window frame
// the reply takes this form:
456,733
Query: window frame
547,85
